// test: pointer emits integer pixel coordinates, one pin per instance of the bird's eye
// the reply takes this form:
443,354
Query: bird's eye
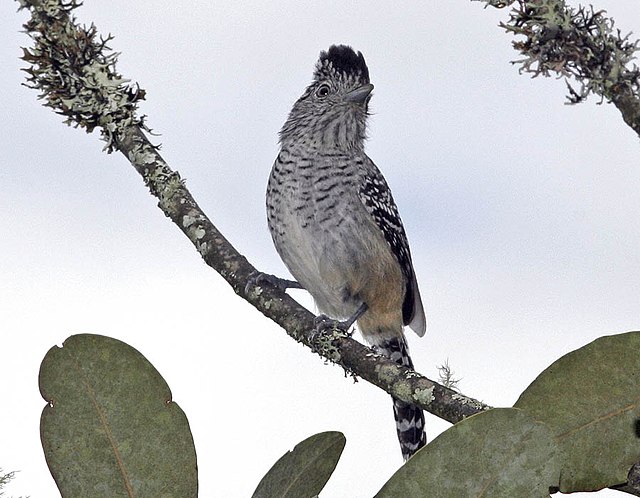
322,91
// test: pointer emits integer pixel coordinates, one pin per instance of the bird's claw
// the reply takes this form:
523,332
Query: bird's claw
258,278
322,325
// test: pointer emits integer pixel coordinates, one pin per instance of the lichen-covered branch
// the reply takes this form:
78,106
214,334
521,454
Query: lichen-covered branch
580,44
74,71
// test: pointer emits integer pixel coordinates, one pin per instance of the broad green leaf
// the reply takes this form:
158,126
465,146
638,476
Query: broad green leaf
501,452
303,472
110,428
590,400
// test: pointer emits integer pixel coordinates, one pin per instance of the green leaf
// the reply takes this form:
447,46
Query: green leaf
589,398
110,428
501,452
303,472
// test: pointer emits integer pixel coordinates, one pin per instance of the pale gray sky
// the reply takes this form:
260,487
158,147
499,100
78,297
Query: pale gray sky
522,215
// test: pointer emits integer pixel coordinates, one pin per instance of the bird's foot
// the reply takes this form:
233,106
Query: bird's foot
257,278
322,324
325,331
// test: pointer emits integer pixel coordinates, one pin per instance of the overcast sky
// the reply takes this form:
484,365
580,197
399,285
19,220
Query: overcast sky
522,214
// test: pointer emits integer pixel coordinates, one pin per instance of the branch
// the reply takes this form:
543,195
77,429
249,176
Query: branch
76,76
580,45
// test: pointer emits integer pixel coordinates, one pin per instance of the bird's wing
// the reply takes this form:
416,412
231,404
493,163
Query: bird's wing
378,201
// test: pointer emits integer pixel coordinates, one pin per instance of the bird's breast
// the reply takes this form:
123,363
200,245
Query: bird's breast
323,232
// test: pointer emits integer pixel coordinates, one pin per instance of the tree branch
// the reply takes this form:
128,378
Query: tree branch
580,45
75,74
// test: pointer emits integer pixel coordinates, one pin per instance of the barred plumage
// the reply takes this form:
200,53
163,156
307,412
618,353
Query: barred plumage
376,197
409,419
335,224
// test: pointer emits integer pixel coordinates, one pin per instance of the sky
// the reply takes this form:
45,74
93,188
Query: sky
521,211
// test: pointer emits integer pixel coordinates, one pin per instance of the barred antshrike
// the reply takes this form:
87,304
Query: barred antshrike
335,224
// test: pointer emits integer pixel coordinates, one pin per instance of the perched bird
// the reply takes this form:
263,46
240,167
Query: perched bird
335,224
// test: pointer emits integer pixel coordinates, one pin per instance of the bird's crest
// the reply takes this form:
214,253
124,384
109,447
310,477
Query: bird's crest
342,59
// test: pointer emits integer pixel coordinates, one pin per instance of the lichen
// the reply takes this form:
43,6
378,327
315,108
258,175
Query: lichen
402,390
580,44
74,71
386,373
323,339
499,4
424,396
203,247
166,185
140,154
254,292
478,405
188,220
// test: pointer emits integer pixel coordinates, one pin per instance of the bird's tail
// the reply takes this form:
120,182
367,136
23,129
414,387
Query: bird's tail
409,418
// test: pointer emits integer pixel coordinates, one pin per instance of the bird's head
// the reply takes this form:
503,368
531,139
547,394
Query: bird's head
332,111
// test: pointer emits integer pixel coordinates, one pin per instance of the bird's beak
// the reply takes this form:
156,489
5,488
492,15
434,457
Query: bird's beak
360,94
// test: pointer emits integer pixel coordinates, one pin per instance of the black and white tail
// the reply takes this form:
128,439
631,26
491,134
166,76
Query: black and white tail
409,418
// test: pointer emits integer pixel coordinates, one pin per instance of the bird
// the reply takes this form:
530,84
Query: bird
336,226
